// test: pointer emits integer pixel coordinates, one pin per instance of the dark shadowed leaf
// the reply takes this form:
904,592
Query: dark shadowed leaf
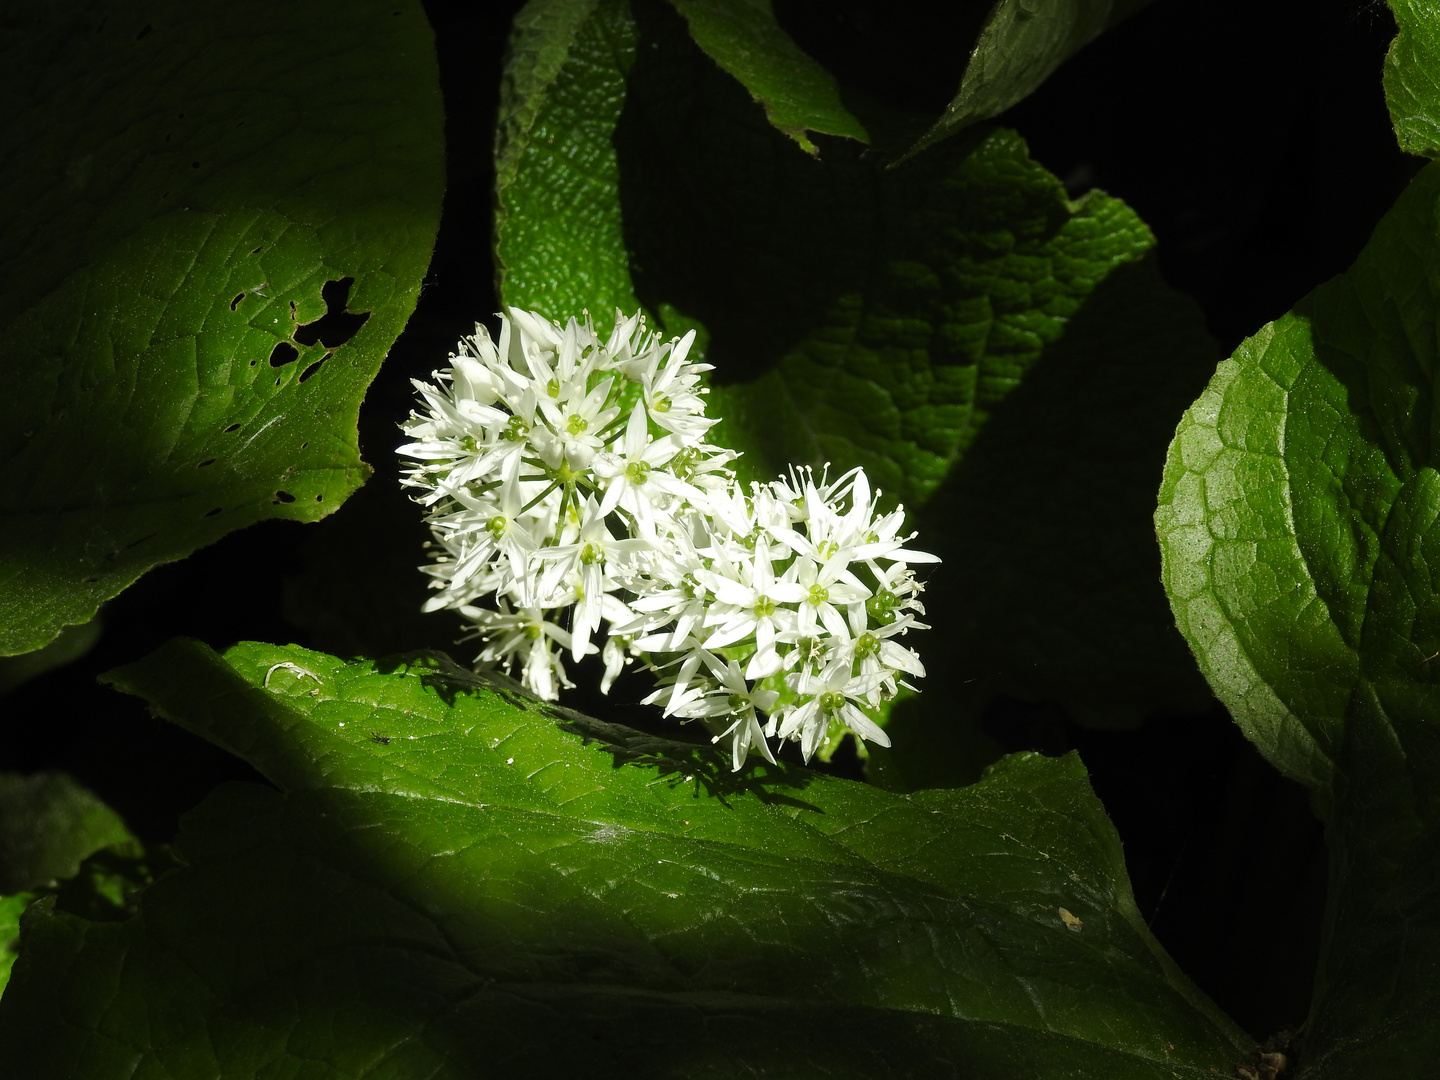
48,824
1023,42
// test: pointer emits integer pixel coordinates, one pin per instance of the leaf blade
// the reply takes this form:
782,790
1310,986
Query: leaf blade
137,314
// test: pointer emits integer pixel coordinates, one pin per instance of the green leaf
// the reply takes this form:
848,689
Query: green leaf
11,908
1412,78
558,238
1051,586
48,824
798,95
193,177
1022,44
447,867
880,318
70,645
1297,523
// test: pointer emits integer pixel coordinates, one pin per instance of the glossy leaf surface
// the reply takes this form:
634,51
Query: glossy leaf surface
446,865
192,316
1297,523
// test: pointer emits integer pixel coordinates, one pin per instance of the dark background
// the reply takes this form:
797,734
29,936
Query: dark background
1251,136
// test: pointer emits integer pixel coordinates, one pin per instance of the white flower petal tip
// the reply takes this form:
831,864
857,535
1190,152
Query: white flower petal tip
576,509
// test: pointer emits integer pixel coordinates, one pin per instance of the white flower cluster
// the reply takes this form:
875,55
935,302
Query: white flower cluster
568,477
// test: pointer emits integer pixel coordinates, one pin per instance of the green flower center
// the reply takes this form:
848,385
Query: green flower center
832,700
819,594
497,525
827,549
577,424
866,645
590,554
553,388
515,430
738,702
764,606
637,472
533,632
661,404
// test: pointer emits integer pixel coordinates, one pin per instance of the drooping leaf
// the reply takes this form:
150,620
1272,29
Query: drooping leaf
227,215
1297,524
48,824
448,871
798,95
1412,78
1021,45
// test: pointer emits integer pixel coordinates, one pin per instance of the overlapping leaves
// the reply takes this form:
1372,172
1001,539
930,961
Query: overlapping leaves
880,317
227,218
447,870
1297,521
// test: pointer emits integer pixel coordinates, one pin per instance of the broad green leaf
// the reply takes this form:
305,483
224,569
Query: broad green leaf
1022,44
448,867
48,824
798,95
228,213
1297,524
1412,78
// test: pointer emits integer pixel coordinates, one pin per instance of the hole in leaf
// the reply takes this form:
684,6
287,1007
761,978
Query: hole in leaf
305,444
144,32
232,427
319,498
212,513
278,380
338,325
236,302
254,362
313,368
93,578
256,251
283,353
284,497
207,461
137,543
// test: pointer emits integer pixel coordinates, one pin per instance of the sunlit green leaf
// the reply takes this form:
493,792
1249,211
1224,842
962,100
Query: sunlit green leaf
1297,523
11,908
446,865
1412,78
798,95
227,215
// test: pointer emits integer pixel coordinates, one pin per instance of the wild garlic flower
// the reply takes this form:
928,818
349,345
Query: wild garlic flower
577,508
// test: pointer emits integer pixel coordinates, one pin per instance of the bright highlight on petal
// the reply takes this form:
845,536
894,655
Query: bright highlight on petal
575,507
